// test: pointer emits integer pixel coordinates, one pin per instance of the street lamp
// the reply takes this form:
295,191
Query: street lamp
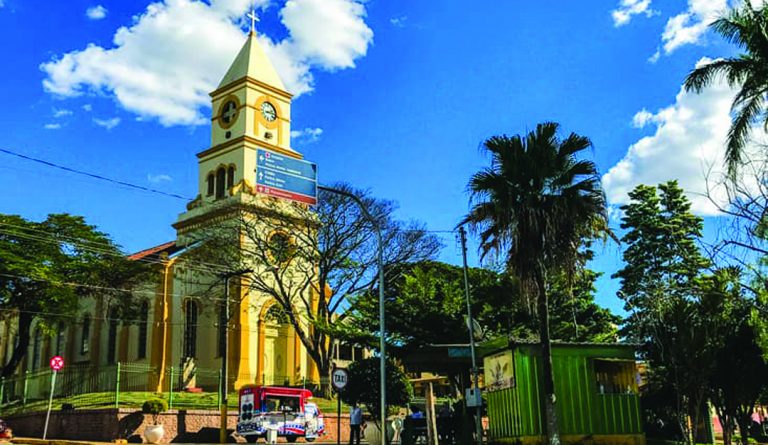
225,353
382,330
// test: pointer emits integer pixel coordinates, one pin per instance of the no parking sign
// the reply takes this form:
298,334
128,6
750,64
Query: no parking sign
57,362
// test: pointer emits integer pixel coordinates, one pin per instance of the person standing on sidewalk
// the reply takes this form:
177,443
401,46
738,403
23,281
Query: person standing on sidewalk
355,422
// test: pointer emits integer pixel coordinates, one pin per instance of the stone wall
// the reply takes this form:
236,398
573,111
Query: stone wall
184,426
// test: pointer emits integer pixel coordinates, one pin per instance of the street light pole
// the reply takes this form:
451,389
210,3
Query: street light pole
471,323
382,330
225,354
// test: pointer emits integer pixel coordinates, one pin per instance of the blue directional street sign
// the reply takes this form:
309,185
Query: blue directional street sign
286,177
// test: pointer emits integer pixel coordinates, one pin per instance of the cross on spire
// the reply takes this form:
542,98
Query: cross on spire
254,18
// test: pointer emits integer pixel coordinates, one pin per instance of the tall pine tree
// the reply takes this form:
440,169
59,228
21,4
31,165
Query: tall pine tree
661,287
661,258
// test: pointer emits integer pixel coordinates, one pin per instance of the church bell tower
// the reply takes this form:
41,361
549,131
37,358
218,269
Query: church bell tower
250,109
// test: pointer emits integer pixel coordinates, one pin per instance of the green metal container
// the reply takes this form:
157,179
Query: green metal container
595,386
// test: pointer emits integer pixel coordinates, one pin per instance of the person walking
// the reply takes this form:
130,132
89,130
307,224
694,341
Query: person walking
355,422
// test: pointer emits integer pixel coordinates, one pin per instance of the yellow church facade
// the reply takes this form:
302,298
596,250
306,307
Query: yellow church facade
180,320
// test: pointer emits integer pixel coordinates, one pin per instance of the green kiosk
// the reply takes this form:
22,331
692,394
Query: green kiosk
596,386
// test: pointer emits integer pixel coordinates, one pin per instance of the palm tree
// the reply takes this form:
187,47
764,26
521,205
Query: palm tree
534,206
746,27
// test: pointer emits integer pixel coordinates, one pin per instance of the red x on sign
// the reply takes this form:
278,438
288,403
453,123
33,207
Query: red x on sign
57,362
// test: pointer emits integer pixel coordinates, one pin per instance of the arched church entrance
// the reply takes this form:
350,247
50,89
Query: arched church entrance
278,353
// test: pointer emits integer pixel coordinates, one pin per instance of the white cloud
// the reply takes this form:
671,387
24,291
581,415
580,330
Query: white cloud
689,27
107,123
627,8
642,118
655,56
87,107
61,112
163,65
688,141
97,12
307,135
330,33
52,126
161,177
399,22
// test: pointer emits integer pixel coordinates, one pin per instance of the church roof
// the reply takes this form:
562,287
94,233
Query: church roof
252,62
154,252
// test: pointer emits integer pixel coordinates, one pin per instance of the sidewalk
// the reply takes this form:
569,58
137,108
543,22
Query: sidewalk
33,441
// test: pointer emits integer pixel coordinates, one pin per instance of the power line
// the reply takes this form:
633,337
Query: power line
140,187
107,288
94,247
93,175
46,237
82,241
108,319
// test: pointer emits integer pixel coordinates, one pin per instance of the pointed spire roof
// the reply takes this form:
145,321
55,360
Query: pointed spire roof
252,62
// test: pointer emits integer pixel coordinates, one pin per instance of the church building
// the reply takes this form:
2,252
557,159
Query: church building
181,318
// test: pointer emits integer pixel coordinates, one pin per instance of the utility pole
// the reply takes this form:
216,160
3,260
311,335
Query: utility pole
471,324
225,354
382,330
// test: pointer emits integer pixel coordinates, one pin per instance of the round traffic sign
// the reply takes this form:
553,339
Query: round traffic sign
57,362
339,378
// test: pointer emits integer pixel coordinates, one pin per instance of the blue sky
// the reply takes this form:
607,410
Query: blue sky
394,96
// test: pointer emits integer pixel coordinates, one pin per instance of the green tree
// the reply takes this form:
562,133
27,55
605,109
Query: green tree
534,206
575,315
47,267
662,261
312,261
747,28
661,286
426,305
738,369
363,386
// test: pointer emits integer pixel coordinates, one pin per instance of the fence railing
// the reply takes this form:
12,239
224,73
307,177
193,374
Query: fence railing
86,386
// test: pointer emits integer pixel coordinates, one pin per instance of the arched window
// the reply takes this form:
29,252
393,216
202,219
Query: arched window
36,349
60,339
209,183
221,176
8,349
143,322
230,176
85,335
276,315
190,329
112,336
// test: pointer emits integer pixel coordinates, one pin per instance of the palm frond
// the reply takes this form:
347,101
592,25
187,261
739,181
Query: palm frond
537,201
738,135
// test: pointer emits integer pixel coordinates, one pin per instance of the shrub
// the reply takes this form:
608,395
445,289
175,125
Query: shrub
363,386
154,407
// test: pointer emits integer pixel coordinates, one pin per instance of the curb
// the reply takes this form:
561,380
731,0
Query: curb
31,441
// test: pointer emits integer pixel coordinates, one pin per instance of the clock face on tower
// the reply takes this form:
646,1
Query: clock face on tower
268,111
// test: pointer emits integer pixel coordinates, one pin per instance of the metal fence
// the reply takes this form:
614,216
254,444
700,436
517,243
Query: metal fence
120,385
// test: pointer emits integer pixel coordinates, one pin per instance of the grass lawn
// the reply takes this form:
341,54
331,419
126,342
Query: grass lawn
181,400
